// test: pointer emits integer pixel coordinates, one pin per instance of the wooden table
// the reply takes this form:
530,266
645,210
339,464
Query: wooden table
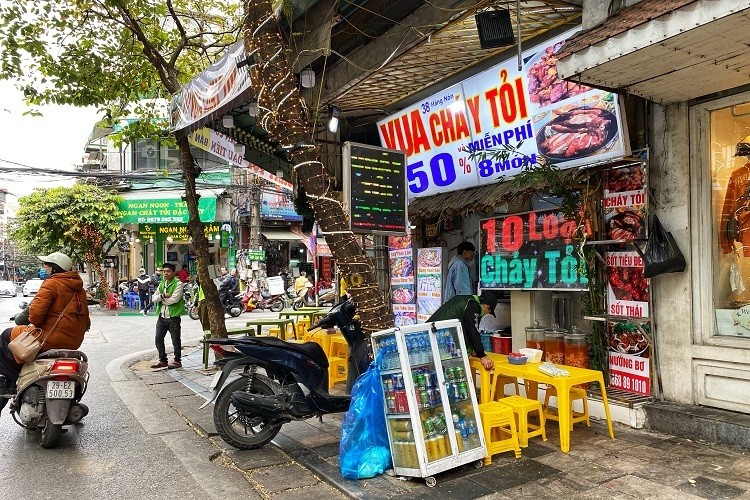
533,377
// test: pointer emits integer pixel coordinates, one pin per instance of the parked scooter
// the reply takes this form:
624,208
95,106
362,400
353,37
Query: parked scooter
326,298
250,410
262,300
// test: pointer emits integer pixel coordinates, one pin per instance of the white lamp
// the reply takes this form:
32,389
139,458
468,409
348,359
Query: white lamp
280,174
252,108
307,78
334,112
239,149
227,121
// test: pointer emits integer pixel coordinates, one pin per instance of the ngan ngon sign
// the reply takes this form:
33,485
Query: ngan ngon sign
531,251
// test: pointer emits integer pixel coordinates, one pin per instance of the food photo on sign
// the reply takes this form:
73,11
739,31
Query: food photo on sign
627,287
629,356
624,203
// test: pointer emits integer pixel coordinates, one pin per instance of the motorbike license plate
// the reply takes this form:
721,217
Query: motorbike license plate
60,390
215,381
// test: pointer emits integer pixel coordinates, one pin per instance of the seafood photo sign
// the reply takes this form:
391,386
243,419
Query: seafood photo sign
429,282
530,251
629,363
448,138
401,260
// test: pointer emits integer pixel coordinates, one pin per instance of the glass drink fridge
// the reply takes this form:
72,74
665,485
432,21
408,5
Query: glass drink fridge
430,403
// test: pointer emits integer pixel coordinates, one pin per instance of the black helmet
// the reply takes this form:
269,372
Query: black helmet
743,147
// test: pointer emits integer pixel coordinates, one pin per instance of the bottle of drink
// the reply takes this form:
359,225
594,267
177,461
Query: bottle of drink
438,423
472,432
459,441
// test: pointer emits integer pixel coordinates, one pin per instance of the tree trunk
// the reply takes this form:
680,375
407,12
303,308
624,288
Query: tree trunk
282,115
200,242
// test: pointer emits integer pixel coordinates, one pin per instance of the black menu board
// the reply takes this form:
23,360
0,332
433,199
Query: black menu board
375,188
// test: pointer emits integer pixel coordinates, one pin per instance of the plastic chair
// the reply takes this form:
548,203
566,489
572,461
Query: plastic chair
499,418
576,393
275,332
113,301
521,408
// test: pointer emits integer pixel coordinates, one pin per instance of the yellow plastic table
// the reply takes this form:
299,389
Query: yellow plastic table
301,313
533,377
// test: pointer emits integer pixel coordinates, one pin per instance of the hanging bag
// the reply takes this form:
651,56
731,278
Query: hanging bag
365,451
661,255
27,345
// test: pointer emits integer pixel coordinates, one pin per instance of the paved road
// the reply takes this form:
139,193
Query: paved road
128,447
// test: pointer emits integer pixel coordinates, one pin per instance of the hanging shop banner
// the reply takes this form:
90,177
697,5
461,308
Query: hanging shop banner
278,206
530,251
429,282
402,280
492,124
217,85
627,288
625,202
164,211
629,363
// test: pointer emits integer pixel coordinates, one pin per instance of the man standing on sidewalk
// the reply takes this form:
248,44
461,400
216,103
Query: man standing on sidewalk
169,308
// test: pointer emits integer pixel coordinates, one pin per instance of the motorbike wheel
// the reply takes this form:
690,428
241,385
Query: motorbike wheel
193,312
50,434
277,305
297,304
236,310
245,430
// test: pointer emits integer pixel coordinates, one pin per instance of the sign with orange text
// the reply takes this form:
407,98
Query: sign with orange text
489,126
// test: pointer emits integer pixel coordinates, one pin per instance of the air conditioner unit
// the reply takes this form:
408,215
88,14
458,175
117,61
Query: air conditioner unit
149,152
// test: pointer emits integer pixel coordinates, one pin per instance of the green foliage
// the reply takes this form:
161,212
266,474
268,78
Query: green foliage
111,54
78,221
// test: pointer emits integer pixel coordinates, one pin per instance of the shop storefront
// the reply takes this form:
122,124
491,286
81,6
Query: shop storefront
696,125
157,230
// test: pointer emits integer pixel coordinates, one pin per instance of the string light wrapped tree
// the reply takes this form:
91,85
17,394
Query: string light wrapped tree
282,114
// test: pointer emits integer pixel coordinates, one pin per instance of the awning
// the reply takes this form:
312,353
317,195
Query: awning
663,50
281,234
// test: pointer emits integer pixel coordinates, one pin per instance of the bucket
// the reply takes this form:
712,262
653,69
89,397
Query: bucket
486,341
501,345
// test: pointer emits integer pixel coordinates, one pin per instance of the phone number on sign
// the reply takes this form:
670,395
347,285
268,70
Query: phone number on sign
629,383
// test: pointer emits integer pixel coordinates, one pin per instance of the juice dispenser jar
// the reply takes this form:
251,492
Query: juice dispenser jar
535,336
554,345
576,349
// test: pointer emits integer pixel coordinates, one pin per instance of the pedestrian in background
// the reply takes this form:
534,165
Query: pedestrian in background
458,280
169,309
144,290
183,274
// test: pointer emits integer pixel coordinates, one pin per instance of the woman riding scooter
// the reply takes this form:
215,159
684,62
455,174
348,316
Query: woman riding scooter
61,293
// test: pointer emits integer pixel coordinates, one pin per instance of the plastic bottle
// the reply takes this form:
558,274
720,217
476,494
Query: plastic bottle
473,437
459,441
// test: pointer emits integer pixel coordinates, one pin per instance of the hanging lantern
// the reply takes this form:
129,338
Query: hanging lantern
307,78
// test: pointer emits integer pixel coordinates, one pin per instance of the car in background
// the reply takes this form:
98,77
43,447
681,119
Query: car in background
7,289
31,287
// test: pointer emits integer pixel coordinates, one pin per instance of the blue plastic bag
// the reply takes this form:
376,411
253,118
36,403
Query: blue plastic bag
364,451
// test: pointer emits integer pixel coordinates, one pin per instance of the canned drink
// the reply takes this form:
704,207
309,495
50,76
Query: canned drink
434,397
421,381
460,376
455,391
451,345
428,381
389,385
418,395
398,381
459,441
449,374
463,390
425,398
402,405
391,400
429,429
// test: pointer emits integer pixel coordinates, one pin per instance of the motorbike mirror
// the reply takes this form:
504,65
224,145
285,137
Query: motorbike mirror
23,305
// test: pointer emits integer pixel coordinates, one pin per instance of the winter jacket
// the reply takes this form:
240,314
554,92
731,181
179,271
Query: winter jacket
458,280
175,303
56,292
467,309
736,202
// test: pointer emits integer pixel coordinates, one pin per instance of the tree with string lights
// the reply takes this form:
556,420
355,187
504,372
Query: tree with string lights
282,114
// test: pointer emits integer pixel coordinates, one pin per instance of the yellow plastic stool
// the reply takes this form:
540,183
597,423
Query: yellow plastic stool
336,370
521,408
300,330
498,417
339,347
274,332
498,391
576,393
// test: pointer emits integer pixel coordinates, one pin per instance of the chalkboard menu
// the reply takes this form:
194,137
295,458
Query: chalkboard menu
375,188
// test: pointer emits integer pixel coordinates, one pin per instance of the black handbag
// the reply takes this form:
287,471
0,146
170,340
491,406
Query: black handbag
661,255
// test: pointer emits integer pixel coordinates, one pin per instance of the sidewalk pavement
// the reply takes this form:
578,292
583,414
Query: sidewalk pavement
304,461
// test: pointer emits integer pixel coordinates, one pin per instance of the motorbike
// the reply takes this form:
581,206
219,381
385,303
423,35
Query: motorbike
326,298
262,300
49,392
281,381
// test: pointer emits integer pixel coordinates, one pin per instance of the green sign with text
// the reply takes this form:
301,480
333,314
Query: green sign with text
164,211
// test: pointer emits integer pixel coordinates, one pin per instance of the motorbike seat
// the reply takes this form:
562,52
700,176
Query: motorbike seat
309,349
